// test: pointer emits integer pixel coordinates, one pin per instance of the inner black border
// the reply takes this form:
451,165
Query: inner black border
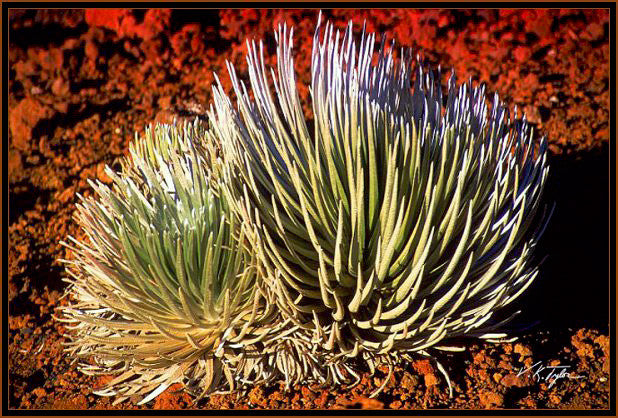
533,5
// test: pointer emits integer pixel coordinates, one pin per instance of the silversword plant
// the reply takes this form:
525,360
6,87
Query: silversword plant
395,222
166,287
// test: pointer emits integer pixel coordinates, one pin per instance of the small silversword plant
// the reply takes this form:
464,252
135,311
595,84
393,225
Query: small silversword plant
166,285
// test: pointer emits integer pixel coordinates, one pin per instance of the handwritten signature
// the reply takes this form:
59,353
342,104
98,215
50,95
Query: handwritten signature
550,374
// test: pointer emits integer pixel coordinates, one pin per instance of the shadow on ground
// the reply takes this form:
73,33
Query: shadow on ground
573,286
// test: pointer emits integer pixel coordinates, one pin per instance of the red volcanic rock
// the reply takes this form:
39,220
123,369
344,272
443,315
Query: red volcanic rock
491,400
360,402
521,53
124,23
23,118
107,18
513,379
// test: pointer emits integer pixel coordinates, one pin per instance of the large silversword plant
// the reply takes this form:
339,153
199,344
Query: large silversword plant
394,221
164,289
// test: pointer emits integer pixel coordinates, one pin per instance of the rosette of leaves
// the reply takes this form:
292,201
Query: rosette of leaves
397,218
164,288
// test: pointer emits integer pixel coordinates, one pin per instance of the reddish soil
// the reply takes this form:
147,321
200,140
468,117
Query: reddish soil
81,83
